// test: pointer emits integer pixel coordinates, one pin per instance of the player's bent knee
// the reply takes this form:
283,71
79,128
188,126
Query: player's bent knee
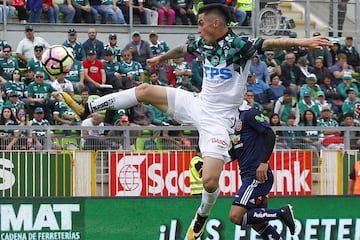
210,184
142,91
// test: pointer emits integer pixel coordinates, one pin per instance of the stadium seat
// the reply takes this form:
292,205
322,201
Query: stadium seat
69,142
141,143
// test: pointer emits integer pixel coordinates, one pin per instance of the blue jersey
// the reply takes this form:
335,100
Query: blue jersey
249,147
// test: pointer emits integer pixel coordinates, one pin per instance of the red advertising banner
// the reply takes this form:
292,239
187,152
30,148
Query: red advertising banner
166,174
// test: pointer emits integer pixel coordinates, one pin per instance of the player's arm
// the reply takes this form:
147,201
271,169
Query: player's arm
269,143
285,43
180,51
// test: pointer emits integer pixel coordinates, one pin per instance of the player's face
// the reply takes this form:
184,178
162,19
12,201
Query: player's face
206,28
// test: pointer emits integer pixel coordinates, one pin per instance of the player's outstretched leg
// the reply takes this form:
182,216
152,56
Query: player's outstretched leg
196,228
287,216
79,109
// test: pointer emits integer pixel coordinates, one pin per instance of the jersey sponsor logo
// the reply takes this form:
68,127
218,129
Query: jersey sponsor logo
260,118
213,73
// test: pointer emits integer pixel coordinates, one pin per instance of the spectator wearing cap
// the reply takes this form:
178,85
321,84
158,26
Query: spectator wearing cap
260,69
94,74
65,7
307,102
310,86
13,101
82,11
132,69
9,9
163,8
35,63
25,48
40,136
140,49
334,49
353,58
184,10
320,99
287,105
28,76
113,47
94,44
157,46
75,45
350,101
263,93
16,86
320,70
324,53
346,84
39,95
113,73
340,68
8,64
113,11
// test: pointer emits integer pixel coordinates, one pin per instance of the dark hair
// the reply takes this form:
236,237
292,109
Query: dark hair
272,115
7,46
303,118
348,114
219,9
12,116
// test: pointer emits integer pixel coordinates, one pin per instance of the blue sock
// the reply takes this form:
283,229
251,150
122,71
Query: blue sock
269,232
260,215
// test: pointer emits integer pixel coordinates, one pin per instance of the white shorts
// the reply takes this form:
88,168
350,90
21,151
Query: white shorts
214,131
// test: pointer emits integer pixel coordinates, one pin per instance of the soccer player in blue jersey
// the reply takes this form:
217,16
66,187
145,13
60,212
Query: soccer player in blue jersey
253,143
226,66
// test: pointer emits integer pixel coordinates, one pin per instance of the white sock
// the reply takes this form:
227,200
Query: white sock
208,200
118,100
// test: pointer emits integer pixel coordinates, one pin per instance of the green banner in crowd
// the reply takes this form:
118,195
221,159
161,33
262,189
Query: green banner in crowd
320,218
35,174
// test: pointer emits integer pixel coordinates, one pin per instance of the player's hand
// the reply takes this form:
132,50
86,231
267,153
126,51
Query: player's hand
317,42
153,62
261,172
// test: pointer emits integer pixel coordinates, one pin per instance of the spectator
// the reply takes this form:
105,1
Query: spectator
347,84
13,102
25,48
76,46
94,74
35,63
291,74
237,15
305,68
182,72
63,115
39,94
76,76
15,85
322,53
98,8
28,76
297,51
292,137
195,169
39,137
331,136
184,10
273,66
353,58
137,6
263,93
94,139
349,121
310,138
24,135
9,9
48,8
260,69
163,8
320,99
307,103
336,107
310,86
320,71
250,100
157,46
132,69
113,47
165,74
82,11
62,84
328,88
113,75
335,50
276,86
340,68
7,64
8,138
286,106
21,10
280,143
94,44
65,7
113,11
140,49
350,101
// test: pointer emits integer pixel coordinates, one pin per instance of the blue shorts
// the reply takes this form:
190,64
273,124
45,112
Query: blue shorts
253,194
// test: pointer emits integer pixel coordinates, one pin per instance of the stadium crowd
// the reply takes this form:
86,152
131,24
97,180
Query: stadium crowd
285,85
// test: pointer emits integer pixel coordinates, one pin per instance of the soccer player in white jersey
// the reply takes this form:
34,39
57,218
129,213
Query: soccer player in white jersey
213,111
